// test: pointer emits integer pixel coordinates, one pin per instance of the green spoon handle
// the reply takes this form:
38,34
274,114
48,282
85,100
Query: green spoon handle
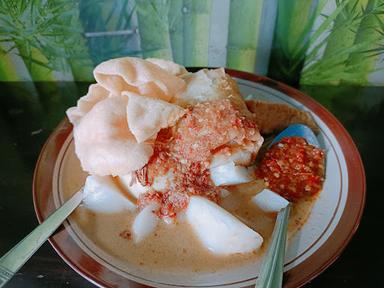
271,272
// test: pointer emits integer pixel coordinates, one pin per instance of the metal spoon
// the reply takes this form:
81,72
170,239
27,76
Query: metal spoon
15,258
271,271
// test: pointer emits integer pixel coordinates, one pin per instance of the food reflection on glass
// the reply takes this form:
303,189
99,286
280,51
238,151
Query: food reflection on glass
177,176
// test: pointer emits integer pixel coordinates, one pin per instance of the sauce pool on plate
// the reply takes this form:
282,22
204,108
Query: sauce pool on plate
172,247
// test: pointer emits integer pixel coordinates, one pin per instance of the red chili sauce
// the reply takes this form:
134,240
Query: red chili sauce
186,151
293,168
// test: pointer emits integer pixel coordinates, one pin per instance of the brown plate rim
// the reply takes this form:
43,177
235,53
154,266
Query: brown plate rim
295,277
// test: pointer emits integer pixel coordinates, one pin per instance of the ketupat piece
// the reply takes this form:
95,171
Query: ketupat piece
101,194
145,222
243,34
130,184
234,154
272,117
210,85
203,85
218,230
269,201
230,174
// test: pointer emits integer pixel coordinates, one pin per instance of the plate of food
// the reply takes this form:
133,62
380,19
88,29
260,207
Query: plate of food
174,164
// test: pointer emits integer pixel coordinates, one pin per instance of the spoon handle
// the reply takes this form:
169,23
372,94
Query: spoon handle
271,272
12,261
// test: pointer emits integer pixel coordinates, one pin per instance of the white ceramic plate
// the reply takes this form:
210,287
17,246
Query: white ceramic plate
334,218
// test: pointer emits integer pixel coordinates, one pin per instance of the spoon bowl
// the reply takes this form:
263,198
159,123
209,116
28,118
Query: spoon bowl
272,268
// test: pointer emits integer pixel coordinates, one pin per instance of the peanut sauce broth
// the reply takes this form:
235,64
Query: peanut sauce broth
172,247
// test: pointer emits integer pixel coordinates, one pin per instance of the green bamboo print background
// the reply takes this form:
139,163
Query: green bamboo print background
307,42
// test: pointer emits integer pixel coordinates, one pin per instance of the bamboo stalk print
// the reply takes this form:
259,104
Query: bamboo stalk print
332,67
121,16
175,20
295,19
81,67
343,36
342,43
243,34
196,31
92,21
8,69
37,64
266,33
53,94
218,33
108,28
45,35
301,12
327,12
13,70
360,65
153,28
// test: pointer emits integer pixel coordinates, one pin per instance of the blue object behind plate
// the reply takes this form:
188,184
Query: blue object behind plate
298,130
